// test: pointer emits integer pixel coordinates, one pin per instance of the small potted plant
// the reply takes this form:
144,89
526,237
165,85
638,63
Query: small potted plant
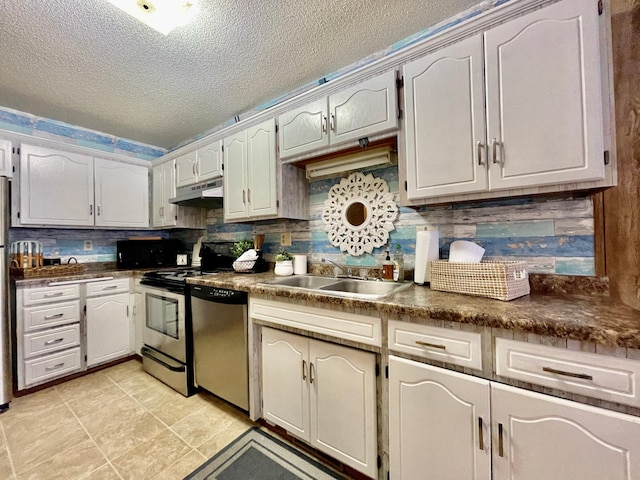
284,263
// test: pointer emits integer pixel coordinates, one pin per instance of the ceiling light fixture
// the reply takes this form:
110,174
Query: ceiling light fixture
161,15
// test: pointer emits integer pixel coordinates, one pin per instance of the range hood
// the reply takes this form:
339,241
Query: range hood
207,195
380,156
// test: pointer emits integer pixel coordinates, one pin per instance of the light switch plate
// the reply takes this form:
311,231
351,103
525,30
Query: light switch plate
285,239
88,245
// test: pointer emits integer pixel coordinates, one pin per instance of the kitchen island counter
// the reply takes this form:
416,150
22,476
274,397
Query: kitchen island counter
593,318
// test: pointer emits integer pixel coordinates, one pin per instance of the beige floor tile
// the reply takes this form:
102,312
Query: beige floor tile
135,382
111,415
216,443
170,406
67,464
83,387
182,467
105,472
199,426
128,435
37,402
6,471
34,448
105,394
152,457
25,426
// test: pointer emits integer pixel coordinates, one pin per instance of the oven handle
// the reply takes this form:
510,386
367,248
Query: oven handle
146,352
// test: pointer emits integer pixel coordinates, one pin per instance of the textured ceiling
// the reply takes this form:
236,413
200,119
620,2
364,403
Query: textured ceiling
89,64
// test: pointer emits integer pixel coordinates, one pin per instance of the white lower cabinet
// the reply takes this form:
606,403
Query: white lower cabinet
322,393
108,328
440,428
438,423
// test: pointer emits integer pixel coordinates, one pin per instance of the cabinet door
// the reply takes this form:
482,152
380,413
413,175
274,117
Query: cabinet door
261,169
304,129
285,371
122,194
56,188
439,425
170,210
537,436
6,165
445,125
158,200
365,109
210,161
343,404
186,169
234,179
108,329
544,97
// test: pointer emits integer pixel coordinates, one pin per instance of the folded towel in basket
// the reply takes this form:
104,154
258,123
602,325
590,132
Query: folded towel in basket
249,255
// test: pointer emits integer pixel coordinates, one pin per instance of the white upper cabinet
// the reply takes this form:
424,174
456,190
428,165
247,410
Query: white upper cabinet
65,188
250,180
543,101
444,105
121,194
166,214
6,165
202,164
350,114
544,105
56,188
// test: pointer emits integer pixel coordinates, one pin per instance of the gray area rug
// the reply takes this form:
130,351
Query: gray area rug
257,455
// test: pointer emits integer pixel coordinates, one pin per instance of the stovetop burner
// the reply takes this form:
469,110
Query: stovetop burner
174,280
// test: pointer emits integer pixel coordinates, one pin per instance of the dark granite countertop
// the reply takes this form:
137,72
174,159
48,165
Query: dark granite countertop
593,318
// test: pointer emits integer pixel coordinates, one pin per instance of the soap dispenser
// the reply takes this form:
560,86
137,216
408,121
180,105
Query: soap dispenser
387,268
398,264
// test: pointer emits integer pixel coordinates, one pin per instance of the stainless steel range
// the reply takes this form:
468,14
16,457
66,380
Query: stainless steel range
168,333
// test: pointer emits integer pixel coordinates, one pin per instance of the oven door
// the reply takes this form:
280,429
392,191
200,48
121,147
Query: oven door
164,328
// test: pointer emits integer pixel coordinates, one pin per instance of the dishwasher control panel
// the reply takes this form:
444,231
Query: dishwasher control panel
219,295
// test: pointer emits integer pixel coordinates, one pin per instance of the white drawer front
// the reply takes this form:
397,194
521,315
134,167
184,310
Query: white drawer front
48,341
36,296
117,285
349,326
599,376
436,343
45,368
36,318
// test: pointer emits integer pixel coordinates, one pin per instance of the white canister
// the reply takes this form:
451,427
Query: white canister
299,264
283,268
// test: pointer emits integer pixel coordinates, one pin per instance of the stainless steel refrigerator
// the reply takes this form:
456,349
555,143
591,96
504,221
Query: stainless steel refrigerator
5,310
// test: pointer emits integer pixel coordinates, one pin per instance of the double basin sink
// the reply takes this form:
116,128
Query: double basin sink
345,287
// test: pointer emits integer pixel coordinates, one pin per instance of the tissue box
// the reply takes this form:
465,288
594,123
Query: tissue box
500,280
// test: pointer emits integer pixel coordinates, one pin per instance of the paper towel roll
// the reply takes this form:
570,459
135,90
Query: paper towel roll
427,249
299,264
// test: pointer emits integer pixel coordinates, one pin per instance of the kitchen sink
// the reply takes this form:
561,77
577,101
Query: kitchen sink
345,287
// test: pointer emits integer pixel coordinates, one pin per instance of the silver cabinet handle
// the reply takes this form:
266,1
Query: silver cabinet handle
304,369
54,315
135,311
98,210
51,342
500,441
91,209
162,211
244,196
55,294
110,287
248,195
479,152
310,372
431,345
333,122
494,150
127,310
193,168
480,434
54,367
324,124
564,373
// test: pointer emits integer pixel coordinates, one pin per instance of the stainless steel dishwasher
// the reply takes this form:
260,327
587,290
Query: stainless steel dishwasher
220,358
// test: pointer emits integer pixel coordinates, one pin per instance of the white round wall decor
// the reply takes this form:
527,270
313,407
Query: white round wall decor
359,214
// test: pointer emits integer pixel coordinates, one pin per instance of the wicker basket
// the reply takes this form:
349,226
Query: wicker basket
501,280
48,271
244,266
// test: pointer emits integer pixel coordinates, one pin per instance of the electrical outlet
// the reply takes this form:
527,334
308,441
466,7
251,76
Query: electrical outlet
285,239
88,245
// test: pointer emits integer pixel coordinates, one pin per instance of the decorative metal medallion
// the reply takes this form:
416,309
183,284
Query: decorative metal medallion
359,213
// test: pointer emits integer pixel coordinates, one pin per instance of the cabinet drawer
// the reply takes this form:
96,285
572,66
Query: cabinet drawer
52,340
36,296
436,343
107,287
51,366
36,318
599,376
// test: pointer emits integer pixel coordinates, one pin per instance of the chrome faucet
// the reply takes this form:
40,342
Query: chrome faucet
345,270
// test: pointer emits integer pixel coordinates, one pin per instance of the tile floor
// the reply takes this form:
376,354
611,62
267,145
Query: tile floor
114,424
